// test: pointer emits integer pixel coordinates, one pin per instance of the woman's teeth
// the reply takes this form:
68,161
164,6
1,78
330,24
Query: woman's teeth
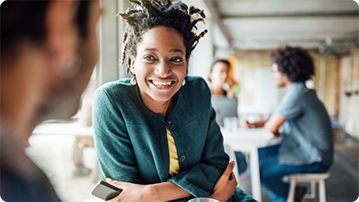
157,83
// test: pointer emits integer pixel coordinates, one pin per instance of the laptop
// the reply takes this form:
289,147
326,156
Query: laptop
224,107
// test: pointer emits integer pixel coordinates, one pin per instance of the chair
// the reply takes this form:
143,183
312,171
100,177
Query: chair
313,179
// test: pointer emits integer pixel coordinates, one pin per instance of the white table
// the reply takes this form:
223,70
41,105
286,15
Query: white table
250,140
64,128
82,139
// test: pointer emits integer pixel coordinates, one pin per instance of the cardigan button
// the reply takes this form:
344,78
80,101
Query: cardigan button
182,157
169,122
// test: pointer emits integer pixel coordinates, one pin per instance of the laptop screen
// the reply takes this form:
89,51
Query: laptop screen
224,107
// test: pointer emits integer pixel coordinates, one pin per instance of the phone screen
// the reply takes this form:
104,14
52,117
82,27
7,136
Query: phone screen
106,191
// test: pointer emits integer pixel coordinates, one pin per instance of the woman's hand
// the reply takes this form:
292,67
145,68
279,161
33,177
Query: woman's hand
222,191
130,192
164,191
226,185
258,124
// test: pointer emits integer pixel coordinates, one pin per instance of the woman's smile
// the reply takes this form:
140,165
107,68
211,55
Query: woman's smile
160,66
162,85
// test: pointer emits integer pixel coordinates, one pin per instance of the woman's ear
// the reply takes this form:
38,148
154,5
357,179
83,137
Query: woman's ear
132,66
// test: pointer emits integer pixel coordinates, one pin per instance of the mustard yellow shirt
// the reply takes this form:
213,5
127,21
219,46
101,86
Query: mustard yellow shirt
174,164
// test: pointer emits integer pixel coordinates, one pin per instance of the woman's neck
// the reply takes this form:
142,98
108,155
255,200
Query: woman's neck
161,108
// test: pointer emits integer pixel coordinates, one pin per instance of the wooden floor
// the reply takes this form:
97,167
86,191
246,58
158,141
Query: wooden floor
343,184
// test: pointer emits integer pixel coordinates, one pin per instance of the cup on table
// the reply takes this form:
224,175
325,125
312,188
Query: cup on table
254,117
230,123
203,199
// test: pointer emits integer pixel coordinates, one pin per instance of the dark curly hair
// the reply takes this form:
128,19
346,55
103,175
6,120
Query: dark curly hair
294,62
22,19
147,14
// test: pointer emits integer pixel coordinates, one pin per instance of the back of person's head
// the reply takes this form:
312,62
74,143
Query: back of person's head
294,62
54,39
25,20
147,14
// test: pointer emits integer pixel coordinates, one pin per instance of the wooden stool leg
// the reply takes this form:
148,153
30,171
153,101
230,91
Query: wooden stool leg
291,190
322,191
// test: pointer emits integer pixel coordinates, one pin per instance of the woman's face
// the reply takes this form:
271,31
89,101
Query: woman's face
219,73
160,65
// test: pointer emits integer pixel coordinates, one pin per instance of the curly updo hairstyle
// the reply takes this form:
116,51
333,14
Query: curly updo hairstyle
294,62
147,14
25,20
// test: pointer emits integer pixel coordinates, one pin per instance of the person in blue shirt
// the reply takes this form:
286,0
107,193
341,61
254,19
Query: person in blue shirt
155,133
302,121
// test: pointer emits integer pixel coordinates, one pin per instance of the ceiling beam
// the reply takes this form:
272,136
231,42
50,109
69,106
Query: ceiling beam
277,8
217,18
299,14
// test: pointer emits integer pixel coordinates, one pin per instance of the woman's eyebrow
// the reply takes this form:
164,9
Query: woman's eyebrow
172,50
177,51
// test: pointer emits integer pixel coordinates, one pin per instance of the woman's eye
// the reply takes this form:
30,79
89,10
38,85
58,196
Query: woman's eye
149,58
176,59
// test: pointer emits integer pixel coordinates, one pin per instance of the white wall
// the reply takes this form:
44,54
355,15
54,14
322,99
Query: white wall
202,56
110,39
349,108
259,94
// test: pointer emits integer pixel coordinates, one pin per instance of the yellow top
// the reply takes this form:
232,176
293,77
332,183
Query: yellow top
174,164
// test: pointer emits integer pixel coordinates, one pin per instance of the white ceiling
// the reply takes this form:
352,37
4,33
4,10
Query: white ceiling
266,24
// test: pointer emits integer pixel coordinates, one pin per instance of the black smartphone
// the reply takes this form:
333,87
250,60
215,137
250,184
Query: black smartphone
105,191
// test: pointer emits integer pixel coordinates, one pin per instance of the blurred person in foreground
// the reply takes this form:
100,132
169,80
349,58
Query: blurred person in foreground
48,52
155,133
302,121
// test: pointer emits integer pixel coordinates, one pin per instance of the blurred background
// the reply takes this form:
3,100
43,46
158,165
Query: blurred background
244,32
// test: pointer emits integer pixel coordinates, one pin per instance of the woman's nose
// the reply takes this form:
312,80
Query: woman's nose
162,69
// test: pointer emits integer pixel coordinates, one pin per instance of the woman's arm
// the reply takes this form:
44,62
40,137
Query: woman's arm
166,191
226,185
113,145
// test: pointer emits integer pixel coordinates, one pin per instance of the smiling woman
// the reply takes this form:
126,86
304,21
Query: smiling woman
160,67
156,134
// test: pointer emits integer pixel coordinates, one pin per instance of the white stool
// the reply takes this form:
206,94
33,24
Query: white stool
311,178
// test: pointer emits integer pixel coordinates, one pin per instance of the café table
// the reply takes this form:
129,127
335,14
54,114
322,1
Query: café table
64,128
82,137
249,140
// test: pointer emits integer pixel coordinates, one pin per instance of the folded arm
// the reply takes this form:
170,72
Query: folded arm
167,191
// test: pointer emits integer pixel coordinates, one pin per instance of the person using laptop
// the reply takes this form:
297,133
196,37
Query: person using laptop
301,120
224,90
155,133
